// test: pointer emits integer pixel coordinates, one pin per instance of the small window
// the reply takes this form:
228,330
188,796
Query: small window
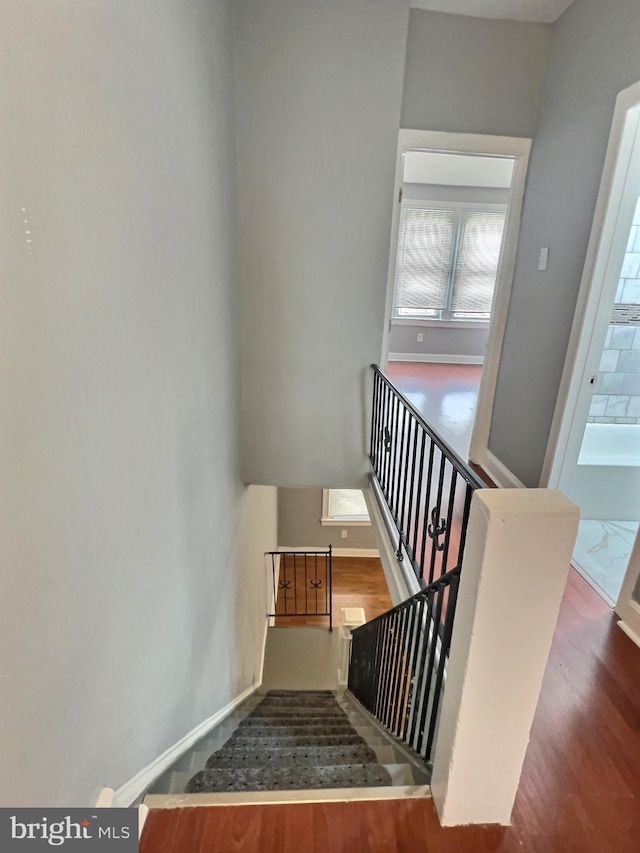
344,507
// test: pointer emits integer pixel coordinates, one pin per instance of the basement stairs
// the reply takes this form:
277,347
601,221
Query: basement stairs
291,745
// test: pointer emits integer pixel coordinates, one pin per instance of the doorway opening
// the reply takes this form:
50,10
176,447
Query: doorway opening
594,456
454,234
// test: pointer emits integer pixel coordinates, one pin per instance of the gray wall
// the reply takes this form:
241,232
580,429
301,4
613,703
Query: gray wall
595,56
128,612
438,341
319,95
299,512
471,75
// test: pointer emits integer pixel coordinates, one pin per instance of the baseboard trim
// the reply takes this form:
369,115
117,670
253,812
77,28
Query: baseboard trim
627,630
499,473
128,793
436,358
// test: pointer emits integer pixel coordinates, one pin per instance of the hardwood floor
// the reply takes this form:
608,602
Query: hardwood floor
579,791
357,582
445,394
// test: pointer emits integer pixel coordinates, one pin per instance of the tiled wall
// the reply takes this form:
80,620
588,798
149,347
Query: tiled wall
616,397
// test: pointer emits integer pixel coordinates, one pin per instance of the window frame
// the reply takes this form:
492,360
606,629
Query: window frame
328,520
459,207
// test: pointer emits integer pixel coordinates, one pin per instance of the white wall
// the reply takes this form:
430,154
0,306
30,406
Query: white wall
319,94
595,56
123,594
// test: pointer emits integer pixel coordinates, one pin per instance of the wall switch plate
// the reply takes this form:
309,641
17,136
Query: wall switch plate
420,337
343,533
542,260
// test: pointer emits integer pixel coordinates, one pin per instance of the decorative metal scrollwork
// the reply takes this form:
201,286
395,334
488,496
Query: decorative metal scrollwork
435,530
386,439
316,584
284,584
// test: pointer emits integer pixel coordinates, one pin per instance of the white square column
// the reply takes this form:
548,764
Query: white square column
517,556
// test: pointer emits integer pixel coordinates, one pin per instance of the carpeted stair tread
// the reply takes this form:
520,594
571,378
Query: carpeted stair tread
293,730
299,711
304,720
269,758
298,702
298,693
247,743
289,778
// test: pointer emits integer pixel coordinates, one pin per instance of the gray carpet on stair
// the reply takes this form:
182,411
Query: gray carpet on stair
292,740
308,756
288,778
292,731
244,743
301,711
304,720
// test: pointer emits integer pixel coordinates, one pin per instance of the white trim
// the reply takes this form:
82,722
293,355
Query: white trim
432,323
470,143
631,634
319,795
106,799
436,358
620,146
400,577
343,522
500,474
143,813
127,793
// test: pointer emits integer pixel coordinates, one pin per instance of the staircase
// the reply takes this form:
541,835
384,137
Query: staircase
289,740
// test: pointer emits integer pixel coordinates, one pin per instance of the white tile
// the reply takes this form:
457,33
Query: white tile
602,553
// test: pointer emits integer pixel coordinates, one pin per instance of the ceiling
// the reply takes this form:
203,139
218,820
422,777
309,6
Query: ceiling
542,11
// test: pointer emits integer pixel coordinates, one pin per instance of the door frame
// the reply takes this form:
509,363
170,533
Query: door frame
605,245
517,148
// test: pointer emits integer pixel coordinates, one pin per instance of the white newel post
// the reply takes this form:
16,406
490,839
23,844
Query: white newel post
517,554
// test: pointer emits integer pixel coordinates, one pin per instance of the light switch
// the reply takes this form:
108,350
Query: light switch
542,260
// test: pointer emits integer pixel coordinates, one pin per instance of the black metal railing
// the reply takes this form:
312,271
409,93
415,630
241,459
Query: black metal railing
427,487
398,663
302,584
398,660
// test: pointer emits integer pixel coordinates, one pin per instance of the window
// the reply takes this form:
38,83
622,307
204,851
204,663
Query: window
344,507
447,261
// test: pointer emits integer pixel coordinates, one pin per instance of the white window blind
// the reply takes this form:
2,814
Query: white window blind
423,266
477,261
447,262
344,506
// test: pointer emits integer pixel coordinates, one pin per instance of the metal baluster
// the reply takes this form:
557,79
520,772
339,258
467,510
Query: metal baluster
408,521
435,518
425,520
444,654
423,438
450,508
435,623
424,648
400,664
413,706
372,452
